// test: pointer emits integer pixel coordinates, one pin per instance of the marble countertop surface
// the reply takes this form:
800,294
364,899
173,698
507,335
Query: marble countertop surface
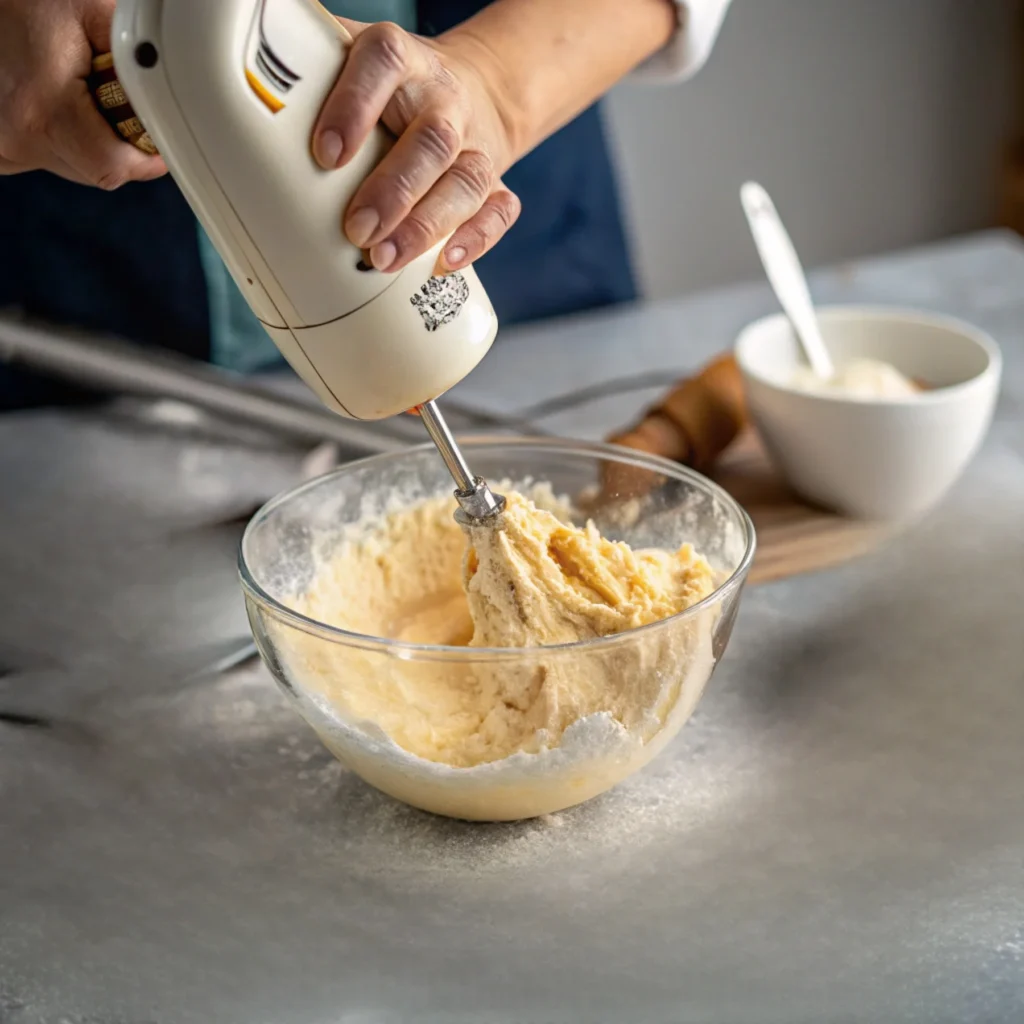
837,835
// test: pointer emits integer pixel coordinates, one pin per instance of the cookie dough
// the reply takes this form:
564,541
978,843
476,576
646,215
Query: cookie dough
536,582
860,378
541,581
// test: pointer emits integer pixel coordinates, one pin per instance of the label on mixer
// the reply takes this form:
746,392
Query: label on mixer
441,299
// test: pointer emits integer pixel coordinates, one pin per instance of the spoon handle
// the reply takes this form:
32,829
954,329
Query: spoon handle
782,265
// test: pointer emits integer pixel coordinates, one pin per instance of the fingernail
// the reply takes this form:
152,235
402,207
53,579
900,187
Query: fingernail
361,226
455,255
328,149
384,255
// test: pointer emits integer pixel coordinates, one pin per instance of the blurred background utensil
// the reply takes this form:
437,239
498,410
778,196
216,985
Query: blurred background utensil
786,275
118,367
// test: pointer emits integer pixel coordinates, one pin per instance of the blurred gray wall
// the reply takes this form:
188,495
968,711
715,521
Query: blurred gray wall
874,124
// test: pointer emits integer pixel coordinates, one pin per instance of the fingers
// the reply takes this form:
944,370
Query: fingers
419,159
449,204
36,141
482,231
80,138
428,185
377,64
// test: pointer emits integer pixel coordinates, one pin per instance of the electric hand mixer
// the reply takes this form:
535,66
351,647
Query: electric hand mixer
230,91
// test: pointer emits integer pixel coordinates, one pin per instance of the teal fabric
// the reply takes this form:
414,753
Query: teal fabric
237,340
401,12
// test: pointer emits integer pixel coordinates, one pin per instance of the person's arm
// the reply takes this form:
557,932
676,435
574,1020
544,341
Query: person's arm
545,62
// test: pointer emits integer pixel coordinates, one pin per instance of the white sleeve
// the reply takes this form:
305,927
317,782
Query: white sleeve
698,25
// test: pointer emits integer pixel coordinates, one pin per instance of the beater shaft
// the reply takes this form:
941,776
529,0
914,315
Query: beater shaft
477,502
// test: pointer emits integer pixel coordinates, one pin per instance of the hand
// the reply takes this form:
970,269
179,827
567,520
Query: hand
48,118
443,173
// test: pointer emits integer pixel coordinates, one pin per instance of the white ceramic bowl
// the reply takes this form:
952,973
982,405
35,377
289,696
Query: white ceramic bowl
890,459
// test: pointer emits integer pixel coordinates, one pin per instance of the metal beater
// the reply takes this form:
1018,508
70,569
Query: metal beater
478,504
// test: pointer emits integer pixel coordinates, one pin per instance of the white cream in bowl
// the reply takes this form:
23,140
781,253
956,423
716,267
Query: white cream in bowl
892,457
868,379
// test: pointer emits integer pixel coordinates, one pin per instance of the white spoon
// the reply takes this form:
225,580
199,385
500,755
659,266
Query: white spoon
782,265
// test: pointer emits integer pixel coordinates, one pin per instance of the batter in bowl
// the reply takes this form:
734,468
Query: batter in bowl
537,581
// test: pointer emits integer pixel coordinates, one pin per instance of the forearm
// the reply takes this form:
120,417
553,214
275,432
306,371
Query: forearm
546,61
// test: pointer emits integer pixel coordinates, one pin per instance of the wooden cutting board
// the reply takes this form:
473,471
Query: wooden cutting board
703,420
793,537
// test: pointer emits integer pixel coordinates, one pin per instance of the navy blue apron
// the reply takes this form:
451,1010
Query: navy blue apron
129,263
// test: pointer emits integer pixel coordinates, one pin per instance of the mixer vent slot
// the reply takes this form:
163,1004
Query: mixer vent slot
268,61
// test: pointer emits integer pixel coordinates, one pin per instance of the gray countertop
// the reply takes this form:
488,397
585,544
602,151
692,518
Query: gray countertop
837,835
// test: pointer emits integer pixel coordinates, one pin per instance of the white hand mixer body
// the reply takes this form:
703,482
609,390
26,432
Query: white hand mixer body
230,91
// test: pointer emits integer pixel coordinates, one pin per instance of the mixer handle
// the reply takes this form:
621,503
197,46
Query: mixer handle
113,104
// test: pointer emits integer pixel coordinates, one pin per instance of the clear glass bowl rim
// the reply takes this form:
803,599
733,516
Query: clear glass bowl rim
556,446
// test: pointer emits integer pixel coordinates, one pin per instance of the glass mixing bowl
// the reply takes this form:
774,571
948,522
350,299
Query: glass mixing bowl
646,501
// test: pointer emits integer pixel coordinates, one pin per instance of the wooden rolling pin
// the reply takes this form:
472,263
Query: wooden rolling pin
694,424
